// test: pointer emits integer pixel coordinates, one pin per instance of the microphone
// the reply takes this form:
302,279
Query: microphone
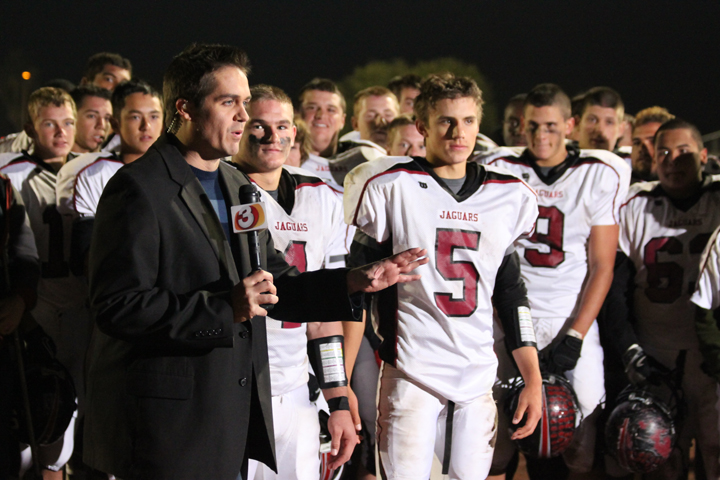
247,217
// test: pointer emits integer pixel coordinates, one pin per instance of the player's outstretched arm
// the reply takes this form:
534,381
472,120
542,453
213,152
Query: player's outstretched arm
387,272
530,401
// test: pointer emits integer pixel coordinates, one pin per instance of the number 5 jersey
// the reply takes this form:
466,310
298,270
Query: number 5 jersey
439,330
585,190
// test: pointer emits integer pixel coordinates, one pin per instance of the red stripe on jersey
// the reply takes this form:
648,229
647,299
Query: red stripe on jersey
107,159
316,184
639,194
513,180
362,194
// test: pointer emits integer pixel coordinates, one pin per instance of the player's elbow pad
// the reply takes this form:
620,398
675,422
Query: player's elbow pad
518,326
327,359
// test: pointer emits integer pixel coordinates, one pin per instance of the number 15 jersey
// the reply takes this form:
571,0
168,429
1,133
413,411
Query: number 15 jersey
584,191
439,330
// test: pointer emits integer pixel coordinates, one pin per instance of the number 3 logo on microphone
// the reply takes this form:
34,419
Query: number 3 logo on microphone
248,217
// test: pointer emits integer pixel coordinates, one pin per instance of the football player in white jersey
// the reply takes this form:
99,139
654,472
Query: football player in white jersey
664,228
138,119
61,296
94,112
646,123
305,220
437,344
373,109
567,264
404,139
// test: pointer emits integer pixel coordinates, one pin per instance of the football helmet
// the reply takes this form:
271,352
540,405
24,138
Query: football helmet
640,432
556,427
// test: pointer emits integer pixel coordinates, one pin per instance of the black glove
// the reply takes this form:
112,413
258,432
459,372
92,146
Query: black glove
642,368
40,347
565,355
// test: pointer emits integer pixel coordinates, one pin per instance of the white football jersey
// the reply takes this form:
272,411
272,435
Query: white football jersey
341,164
35,181
707,289
306,235
81,181
665,245
584,193
439,330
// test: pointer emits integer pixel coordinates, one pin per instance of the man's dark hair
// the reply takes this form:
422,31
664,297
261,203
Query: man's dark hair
604,97
396,84
97,62
439,87
680,124
62,83
516,99
548,95
577,106
78,94
189,75
324,85
125,89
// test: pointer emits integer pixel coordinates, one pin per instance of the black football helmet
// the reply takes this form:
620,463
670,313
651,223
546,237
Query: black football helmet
560,411
640,432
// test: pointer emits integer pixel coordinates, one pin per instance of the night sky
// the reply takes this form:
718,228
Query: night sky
653,52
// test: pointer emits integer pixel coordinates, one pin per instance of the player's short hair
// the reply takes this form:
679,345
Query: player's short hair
97,62
63,83
397,123
190,75
89,90
269,92
302,138
548,95
518,99
604,97
577,105
446,85
125,89
45,96
323,85
652,115
374,91
396,84
680,124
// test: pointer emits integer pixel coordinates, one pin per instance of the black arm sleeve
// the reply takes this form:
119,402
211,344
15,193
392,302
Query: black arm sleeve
80,244
616,318
511,302
366,249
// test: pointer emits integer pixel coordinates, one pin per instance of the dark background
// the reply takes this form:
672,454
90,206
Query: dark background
653,52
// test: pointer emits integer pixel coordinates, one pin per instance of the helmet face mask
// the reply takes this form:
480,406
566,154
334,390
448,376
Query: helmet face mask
640,432
560,414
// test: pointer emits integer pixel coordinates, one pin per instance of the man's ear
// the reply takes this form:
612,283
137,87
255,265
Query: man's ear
569,126
184,109
703,156
29,129
354,123
421,128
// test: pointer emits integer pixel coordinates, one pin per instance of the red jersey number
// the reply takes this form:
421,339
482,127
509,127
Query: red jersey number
446,242
553,239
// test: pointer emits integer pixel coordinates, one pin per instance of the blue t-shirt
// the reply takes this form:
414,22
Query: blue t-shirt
210,182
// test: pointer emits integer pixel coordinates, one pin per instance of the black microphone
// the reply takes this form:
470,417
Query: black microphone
249,194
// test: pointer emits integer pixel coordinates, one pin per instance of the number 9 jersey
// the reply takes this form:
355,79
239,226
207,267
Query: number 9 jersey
586,190
439,330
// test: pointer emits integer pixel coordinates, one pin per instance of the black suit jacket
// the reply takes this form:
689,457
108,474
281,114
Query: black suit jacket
175,388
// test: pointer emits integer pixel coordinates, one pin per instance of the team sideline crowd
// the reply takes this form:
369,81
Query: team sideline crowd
212,281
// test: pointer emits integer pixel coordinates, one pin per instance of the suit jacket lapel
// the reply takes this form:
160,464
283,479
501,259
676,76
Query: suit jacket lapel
197,202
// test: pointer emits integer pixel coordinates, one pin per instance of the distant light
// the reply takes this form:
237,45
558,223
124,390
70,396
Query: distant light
26,75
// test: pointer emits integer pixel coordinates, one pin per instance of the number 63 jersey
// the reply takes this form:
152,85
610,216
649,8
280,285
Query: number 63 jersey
665,242
439,330
586,190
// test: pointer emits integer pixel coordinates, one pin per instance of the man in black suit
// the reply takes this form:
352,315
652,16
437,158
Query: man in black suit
179,384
